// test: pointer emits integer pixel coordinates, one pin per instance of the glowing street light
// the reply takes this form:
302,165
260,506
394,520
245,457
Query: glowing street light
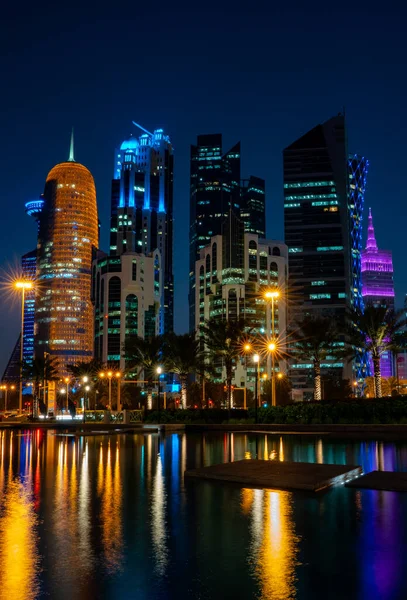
272,347
6,388
118,404
159,370
110,375
22,285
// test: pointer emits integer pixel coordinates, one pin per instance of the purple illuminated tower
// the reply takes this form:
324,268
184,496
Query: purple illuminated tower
377,282
377,271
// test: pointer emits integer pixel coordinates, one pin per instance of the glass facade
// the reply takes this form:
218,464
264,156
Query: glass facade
68,233
216,187
29,267
324,191
142,208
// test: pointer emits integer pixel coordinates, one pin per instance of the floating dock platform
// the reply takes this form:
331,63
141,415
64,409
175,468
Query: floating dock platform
281,475
391,481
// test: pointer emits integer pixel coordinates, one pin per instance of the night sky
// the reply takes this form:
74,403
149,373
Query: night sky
258,72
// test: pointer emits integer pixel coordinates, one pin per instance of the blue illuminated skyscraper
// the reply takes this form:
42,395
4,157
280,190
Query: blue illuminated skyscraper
29,265
142,207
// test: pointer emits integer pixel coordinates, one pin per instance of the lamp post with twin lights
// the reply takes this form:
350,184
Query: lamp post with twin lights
6,388
109,375
272,295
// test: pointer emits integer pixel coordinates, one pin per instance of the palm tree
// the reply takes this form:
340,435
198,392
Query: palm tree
223,341
314,340
375,331
41,370
90,368
143,355
183,355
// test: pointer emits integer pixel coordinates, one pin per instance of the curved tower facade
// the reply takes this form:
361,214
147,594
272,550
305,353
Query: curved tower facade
68,232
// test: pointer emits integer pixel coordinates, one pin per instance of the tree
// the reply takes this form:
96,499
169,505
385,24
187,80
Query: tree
90,368
39,371
223,342
374,330
183,356
314,341
144,355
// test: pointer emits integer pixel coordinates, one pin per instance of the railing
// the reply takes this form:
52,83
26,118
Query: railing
128,416
95,415
135,416
117,417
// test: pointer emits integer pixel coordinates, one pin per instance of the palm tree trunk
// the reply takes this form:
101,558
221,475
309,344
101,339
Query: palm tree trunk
229,386
377,377
183,392
149,397
317,380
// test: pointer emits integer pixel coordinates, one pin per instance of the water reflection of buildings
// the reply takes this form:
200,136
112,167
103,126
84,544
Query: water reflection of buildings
274,546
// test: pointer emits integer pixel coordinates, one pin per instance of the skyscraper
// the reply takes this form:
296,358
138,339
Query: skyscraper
142,207
29,267
378,285
377,271
68,232
216,187
232,272
324,190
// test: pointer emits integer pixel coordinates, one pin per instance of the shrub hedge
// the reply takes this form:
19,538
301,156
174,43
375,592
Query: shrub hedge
372,411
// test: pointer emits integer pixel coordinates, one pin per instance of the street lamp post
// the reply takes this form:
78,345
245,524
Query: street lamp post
22,285
247,348
272,295
256,360
6,388
109,375
159,371
118,403
272,349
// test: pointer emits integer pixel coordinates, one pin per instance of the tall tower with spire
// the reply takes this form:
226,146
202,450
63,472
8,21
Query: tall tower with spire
377,284
377,271
68,233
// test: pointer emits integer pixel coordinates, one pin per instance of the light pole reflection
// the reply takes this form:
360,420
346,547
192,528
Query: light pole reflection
274,548
111,516
158,525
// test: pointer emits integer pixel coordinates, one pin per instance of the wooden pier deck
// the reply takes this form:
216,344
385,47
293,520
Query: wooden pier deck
381,480
281,475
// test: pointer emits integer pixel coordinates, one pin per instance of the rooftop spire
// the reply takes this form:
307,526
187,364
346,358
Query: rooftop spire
371,239
71,155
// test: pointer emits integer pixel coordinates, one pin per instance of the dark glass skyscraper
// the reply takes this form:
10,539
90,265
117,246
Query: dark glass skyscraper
216,187
142,207
323,203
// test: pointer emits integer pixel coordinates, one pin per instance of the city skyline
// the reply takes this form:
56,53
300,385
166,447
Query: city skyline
287,92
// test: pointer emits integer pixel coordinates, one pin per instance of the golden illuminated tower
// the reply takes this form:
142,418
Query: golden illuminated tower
68,231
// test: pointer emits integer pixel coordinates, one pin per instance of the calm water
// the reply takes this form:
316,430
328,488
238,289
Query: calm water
111,517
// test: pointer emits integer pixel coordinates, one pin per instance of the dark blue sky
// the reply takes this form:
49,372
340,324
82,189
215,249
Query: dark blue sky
260,72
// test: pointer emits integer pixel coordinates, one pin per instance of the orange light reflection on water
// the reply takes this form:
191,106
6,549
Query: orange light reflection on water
274,548
18,552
